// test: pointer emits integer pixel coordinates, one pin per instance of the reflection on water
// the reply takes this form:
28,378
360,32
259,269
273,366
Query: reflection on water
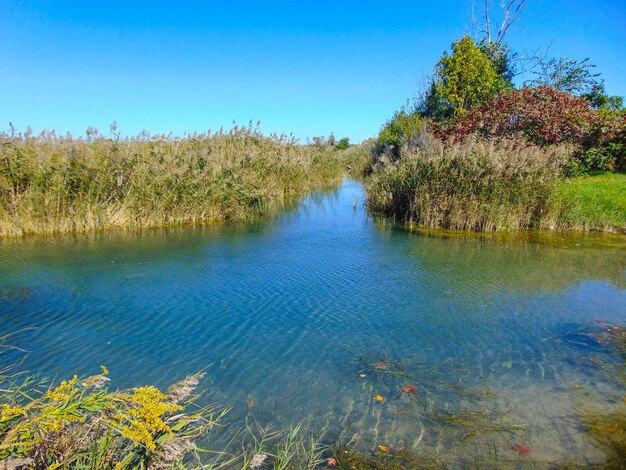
292,311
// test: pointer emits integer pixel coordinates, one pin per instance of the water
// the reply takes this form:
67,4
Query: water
291,310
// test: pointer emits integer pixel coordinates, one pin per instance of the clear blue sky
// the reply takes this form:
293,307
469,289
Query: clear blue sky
303,67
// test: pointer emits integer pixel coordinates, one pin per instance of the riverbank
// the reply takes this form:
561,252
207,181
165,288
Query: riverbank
486,187
52,184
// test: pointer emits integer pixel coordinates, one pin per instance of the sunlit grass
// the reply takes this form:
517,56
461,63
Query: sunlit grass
54,184
592,202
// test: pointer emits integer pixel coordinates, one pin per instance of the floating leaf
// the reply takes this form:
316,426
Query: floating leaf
381,365
378,398
383,448
331,462
521,449
362,376
409,389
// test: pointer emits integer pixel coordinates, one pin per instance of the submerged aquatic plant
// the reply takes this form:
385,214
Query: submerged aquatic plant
608,429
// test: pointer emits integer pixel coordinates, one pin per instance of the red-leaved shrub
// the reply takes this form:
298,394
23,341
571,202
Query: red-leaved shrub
543,115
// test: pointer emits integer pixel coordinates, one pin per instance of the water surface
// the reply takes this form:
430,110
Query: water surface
291,311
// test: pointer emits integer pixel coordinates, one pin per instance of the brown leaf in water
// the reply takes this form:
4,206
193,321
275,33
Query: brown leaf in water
331,462
521,449
381,365
409,389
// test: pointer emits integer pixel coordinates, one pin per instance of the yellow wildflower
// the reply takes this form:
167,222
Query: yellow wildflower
105,371
378,398
63,392
7,411
144,415
138,432
384,448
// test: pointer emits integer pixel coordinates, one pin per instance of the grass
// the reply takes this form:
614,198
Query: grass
55,184
592,202
491,186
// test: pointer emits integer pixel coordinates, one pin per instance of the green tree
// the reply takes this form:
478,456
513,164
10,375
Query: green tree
578,78
463,79
569,75
343,144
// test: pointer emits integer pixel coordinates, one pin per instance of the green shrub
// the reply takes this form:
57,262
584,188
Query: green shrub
404,129
603,148
343,144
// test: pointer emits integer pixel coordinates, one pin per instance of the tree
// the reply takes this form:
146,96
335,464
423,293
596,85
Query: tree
463,79
578,78
569,75
343,143
502,59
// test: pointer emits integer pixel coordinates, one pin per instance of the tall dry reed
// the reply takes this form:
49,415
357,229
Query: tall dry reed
53,184
475,185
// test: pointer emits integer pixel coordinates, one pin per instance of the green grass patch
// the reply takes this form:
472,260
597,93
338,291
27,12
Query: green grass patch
592,202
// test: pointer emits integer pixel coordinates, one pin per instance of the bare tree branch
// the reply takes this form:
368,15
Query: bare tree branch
508,13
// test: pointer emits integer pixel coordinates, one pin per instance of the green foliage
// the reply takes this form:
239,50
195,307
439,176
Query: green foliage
343,144
603,148
400,130
576,77
463,79
503,61
569,75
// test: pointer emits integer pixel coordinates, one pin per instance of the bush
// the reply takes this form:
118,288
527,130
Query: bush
343,144
404,129
543,116
604,147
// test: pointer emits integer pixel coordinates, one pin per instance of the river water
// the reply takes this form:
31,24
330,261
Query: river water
311,313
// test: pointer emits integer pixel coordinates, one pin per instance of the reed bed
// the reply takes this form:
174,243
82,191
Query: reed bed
475,185
53,184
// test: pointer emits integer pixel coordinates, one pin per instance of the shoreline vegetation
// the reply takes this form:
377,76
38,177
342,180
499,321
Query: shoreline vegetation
53,184
488,186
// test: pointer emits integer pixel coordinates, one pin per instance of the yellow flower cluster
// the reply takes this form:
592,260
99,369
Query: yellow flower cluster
7,411
147,405
57,422
63,392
